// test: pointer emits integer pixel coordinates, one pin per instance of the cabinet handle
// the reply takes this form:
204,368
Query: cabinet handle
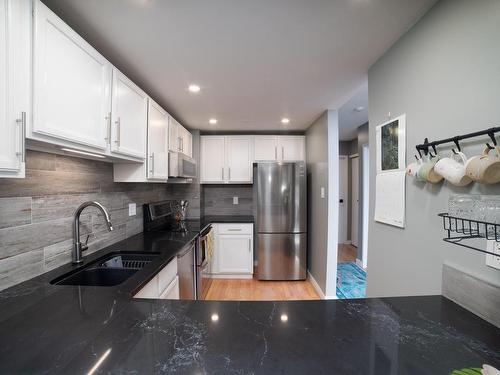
282,153
179,139
250,245
229,172
234,230
152,163
108,127
222,173
22,123
118,131
276,152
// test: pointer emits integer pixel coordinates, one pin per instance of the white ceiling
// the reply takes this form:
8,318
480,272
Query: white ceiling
256,61
351,119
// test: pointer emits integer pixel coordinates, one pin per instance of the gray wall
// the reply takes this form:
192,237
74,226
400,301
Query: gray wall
36,212
317,177
445,75
218,199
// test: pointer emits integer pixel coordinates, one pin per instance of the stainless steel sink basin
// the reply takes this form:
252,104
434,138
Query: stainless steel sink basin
109,270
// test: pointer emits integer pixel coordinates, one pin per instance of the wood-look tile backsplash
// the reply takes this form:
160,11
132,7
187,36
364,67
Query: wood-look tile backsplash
218,200
36,212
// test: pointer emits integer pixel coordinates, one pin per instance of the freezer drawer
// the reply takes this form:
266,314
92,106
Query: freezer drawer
282,256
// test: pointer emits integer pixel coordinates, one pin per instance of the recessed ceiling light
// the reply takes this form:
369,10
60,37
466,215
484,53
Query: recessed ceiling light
194,88
359,109
213,121
285,120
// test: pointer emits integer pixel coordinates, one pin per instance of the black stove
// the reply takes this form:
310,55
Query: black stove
160,216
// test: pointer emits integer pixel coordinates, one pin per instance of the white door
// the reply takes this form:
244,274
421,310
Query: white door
129,117
239,158
71,84
157,162
212,159
173,135
235,254
343,197
291,148
265,148
15,21
354,199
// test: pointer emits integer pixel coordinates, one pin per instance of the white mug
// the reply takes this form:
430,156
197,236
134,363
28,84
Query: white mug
454,171
412,168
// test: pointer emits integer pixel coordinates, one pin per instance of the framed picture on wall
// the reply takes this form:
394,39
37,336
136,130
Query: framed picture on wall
390,189
391,145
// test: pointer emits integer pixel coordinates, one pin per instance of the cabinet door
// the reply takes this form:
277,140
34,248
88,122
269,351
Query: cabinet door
265,148
129,114
291,148
187,142
174,143
235,254
239,158
212,159
172,291
150,290
15,21
157,161
71,84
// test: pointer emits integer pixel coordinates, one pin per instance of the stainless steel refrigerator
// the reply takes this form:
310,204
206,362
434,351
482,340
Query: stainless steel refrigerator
281,220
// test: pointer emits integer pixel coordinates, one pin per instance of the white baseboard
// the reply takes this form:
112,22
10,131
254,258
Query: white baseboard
230,276
359,262
315,285
349,242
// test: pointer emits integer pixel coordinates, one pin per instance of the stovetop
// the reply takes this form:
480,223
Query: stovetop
184,226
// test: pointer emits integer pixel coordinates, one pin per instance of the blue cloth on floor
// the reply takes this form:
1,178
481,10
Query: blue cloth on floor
351,281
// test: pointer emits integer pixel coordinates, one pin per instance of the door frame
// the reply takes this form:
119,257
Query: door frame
354,241
344,187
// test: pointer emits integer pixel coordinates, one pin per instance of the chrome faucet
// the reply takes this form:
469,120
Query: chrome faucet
78,247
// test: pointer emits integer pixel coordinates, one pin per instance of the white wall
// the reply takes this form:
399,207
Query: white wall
445,75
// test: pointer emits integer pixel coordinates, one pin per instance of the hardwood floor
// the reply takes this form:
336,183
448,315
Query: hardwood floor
256,290
347,253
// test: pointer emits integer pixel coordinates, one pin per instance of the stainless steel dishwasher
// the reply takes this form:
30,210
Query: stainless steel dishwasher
186,268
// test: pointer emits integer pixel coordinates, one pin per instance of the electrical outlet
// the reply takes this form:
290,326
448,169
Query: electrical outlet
235,200
322,192
493,260
132,209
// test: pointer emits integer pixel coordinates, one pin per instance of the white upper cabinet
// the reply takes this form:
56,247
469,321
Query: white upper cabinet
180,139
157,160
291,148
129,117
15,45
212,159
71,85
279,148
266,148
239,150
226,159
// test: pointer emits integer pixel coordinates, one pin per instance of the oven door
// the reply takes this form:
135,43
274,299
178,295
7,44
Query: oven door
202,265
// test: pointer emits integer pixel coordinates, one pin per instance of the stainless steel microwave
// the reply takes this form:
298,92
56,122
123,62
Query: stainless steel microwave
180,165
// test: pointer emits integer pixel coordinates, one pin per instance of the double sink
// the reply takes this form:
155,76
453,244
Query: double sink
109,270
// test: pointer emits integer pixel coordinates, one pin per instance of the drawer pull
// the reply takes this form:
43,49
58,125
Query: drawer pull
234,230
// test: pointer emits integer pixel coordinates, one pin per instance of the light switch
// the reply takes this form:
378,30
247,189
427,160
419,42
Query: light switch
235,200
322,190
132,209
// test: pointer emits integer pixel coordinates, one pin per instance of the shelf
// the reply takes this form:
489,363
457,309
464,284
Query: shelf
467,229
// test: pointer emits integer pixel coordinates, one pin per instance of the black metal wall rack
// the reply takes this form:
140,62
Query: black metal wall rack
424,147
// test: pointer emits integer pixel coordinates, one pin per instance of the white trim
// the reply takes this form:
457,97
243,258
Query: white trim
359,263
230,276
317,288
348,242
354,156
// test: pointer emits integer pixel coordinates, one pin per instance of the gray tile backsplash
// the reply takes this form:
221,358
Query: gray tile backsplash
36,212
218,199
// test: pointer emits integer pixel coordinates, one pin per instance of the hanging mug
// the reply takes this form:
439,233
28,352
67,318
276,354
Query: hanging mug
412,168
485,168
427,173
452,170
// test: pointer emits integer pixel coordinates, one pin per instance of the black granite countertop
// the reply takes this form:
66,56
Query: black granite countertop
54,329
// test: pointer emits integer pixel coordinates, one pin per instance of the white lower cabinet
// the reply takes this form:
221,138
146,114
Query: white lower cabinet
164,285
233,251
